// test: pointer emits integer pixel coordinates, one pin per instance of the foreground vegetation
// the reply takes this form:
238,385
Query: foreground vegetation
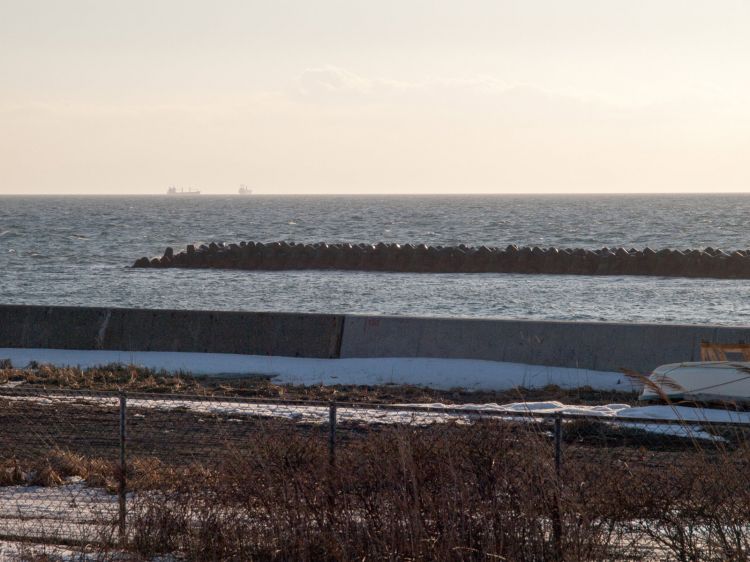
489,491
212,484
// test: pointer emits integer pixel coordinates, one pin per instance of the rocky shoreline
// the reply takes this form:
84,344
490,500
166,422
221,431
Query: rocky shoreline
408,258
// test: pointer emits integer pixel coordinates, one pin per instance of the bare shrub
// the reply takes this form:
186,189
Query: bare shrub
207,482
448,492
398,492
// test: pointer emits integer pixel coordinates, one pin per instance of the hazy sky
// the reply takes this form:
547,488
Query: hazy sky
348,96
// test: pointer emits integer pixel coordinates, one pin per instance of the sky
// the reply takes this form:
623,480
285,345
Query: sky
393,96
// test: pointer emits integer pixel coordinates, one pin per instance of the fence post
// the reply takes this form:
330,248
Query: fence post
332,433
558,445
556,518
122,487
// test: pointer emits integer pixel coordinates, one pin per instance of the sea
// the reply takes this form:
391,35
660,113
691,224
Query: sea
77,250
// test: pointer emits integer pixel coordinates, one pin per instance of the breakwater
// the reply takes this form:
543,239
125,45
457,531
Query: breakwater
407,258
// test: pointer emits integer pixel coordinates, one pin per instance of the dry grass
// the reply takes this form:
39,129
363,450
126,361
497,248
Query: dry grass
57,466
144,380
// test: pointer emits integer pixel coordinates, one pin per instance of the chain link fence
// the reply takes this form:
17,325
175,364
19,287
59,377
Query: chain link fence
233,478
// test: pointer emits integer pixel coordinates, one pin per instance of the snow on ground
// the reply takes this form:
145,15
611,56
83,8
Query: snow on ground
430,372
620,411
426,414
72,511
17,550
444,374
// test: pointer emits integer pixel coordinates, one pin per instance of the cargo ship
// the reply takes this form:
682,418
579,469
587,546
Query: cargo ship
181,191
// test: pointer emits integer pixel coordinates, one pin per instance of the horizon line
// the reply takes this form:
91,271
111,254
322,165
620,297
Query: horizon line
373,193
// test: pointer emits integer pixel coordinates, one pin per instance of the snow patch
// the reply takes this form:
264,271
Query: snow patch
470,374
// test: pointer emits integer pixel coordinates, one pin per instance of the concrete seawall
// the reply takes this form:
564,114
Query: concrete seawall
597,346
251,333
585,345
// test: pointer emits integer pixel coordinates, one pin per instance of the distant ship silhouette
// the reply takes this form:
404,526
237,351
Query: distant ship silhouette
181,191
244,190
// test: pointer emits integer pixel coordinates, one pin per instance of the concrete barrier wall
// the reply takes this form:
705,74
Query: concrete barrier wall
252,333
598,346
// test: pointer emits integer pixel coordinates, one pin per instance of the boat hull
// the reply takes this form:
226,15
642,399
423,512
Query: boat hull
707,381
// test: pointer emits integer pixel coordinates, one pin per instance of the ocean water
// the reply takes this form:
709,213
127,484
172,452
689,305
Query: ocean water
76,251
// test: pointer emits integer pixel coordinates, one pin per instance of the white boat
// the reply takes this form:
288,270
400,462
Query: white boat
703,381
182,191
244,190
